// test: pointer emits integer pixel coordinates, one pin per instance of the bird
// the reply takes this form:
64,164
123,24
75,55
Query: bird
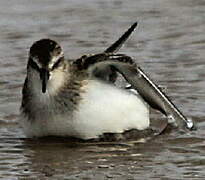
79,98
65,98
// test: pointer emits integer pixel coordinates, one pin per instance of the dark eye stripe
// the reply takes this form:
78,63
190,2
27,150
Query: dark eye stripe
33,65
57,63
58,50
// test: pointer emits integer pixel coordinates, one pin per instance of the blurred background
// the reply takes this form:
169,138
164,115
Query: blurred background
168,44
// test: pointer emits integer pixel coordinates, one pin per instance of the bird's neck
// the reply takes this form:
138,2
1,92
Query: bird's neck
60,92
57,80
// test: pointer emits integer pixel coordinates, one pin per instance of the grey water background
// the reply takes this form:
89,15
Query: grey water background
168,44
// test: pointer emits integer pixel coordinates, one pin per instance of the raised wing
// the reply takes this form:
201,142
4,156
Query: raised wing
148,90
106,65
118,44
106,73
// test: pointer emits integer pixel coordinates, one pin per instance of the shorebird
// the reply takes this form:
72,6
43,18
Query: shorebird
79,98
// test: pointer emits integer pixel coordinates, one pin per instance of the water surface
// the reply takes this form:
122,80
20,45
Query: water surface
168,44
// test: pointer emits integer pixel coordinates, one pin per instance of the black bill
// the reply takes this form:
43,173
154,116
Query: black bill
44,75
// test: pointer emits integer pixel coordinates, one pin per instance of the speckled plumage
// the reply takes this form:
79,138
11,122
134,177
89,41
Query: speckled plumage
80,99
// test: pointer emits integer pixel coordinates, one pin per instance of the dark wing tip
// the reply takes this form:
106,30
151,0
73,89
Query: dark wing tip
134,25
118,44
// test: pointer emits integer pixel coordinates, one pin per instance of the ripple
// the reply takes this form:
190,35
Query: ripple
168,44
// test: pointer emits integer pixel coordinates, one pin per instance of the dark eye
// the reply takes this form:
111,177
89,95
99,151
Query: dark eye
57,64
57,50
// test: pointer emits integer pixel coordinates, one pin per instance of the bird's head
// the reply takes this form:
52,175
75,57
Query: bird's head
45,56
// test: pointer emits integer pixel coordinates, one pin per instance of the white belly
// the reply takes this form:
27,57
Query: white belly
104,109
108,109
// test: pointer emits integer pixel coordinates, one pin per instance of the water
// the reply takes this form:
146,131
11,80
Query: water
168,44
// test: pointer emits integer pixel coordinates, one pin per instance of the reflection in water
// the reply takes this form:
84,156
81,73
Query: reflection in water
57,157
168,44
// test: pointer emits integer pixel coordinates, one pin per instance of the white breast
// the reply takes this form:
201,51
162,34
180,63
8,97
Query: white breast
104,109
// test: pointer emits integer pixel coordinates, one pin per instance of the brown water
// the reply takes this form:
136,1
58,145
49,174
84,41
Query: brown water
168,44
